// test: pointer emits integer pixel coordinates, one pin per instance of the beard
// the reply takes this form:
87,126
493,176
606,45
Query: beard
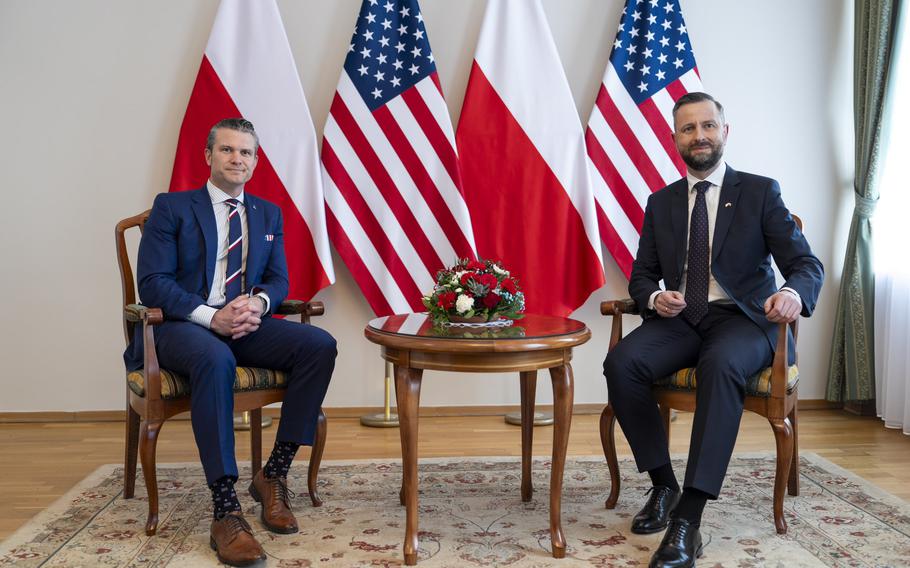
702,162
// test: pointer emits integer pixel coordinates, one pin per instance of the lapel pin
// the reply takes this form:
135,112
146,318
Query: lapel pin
728,204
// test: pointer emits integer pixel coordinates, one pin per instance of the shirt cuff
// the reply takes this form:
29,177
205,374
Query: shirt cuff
203,315
652,298
265,298
793,292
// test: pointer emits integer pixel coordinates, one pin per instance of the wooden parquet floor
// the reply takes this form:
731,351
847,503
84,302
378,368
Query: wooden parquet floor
39,462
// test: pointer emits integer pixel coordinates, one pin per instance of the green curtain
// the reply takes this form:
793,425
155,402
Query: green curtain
851,375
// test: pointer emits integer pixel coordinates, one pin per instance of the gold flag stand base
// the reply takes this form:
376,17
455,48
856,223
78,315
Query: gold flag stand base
242,421
384,419
540,418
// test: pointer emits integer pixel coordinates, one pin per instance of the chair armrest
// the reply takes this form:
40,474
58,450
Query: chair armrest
616,309
135,313
779,367
304,309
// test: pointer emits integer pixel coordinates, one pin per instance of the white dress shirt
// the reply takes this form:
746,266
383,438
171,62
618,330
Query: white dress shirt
203,314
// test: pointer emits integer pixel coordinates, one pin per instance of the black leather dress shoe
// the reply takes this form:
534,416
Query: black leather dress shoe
680,546
654,515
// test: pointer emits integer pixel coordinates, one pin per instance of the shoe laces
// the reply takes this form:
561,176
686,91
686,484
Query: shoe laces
656,493
281,491
676,531
236,524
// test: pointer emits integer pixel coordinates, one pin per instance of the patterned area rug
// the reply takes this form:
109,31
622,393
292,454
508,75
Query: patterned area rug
471,514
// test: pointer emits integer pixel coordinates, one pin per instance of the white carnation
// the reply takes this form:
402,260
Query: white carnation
499,270
463,303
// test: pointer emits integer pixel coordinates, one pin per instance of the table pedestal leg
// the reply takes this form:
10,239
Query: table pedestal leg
528,392
407,387
563,397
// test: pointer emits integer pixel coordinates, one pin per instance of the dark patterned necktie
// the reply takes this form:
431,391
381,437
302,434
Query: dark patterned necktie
697,270
233,278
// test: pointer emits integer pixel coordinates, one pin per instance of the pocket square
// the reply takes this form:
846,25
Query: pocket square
270,237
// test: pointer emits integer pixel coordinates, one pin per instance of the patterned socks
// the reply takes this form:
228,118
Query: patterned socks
664,476
280,461
224,497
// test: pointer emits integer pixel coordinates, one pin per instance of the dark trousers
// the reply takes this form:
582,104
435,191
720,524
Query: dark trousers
209,360
726,348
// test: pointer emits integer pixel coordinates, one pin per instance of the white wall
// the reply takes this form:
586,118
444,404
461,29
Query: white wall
93,93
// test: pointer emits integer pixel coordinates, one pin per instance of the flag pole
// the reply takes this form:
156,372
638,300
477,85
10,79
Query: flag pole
384,419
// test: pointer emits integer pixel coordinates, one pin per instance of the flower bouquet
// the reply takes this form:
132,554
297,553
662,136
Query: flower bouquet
475,292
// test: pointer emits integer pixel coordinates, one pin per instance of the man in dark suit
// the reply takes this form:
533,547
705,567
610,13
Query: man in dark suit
710,237
213,259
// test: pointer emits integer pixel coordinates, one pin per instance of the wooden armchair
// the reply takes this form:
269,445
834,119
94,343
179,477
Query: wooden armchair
771,393
153,394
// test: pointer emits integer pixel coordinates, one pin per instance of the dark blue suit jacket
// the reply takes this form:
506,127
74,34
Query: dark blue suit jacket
755,227
177,254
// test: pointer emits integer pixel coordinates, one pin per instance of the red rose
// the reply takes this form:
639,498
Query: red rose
491,300
487,280
446,300
467,276
476,265
509,286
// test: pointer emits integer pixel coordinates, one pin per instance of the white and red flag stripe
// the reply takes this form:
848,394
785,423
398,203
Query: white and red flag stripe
630,132
395,209
523,162
248,71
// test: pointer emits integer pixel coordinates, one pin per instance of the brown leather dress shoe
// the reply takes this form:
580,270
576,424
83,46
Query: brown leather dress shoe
275,497
233,541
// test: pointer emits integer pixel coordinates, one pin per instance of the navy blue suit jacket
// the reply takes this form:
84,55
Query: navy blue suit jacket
754,228
177,253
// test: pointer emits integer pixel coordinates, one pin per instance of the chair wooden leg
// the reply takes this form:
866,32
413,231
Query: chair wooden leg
316,458
148,441
793,482
130,452
783,436
255,441
608,441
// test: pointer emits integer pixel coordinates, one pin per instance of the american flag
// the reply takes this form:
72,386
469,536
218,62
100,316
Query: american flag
395,209
629,134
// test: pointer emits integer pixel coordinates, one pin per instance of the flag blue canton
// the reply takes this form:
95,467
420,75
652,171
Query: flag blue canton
389,51
652,47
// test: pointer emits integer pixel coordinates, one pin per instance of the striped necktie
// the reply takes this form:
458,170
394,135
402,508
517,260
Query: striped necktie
697,270
233,279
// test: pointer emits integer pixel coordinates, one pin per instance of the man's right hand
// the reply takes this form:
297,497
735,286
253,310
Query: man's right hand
669,304
237,319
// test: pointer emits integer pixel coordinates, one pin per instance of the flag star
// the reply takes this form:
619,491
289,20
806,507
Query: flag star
405,12
634,32
414,69
365,52
648,53
664,41
416,51
636,15
682,28
386,24
662,58
382,58
645,70
654,3
419,17
402,29
418,34
642,86
384,41
399,46
680,46
431,58
649,36
371,18
374,2
668,7
616,44
379,76
396,82
389,6
629,66
666,25
368,35
397,64
622,28
652,19
376,93
631,49
351,47
363,70
678,63
660,75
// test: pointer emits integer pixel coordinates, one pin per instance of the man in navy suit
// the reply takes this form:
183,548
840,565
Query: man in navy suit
213,259
710,238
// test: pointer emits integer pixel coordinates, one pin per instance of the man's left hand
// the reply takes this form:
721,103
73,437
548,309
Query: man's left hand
782,307
249,316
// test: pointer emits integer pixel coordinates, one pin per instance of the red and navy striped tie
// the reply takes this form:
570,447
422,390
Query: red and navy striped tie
233,279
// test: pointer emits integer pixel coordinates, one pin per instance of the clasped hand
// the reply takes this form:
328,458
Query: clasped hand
238,318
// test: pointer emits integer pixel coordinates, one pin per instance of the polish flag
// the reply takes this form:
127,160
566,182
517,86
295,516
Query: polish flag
523,162
248,71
